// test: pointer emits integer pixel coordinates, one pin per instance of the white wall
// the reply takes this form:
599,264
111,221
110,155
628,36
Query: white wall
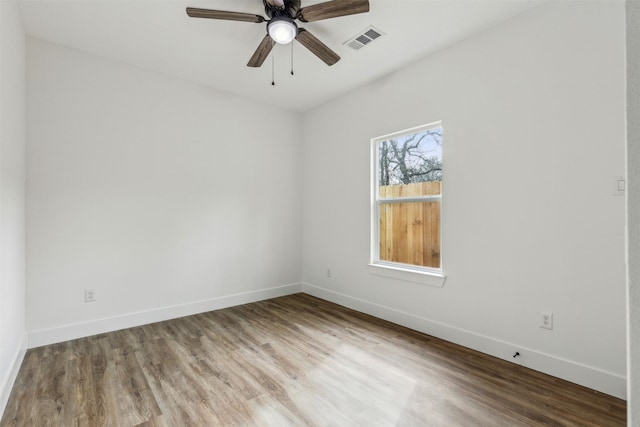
633,217
165,197
534,131
12,189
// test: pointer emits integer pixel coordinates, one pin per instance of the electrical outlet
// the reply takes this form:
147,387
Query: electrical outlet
546,319
89,295
328,271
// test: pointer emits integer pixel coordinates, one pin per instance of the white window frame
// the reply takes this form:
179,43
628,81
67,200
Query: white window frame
396,270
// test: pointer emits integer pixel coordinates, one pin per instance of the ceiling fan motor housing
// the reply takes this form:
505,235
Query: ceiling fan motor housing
290,8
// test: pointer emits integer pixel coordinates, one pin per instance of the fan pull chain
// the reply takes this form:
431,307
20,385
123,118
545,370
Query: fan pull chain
273,70
292,58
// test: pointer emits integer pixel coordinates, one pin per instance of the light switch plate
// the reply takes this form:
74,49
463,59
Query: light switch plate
619,185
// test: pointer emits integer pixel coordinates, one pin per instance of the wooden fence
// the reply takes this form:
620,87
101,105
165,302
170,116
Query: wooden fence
410,232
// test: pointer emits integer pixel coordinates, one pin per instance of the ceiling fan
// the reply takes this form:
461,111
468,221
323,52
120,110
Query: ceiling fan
281,27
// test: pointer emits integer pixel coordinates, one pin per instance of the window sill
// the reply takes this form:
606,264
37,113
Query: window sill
415,276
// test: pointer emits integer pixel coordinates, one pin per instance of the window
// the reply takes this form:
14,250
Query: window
407,194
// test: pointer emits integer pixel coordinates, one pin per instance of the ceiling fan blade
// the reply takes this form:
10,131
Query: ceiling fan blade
261,52
316,47
332,9
222,14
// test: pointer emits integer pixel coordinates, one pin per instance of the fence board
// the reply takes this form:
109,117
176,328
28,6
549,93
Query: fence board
410,232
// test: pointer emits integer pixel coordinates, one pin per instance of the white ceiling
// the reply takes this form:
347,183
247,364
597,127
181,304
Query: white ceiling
158,35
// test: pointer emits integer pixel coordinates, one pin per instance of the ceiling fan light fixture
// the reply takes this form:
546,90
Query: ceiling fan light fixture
282,29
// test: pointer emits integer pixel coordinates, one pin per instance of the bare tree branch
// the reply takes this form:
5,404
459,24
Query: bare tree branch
413,158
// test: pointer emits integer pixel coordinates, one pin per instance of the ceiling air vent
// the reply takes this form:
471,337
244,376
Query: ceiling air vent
363,38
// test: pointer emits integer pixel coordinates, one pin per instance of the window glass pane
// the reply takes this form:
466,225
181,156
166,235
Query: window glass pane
410,159
410,233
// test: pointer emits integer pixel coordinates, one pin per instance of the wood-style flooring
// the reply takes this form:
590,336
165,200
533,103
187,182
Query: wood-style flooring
289,361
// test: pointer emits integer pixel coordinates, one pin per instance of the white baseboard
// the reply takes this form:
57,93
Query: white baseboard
79,330
588,376
10,378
